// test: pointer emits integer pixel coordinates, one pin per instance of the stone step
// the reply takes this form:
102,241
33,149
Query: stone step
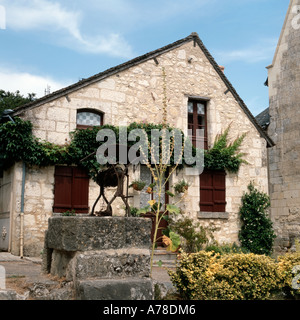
165,258
114,289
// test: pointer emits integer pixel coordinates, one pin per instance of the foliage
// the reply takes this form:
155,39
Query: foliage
286,264
225,155
172,241
10,100
181,186
18,143
209,276
256,233
194,236
226,248
138,185
69,213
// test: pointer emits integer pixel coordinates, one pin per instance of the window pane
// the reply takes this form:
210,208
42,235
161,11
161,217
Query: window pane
190,107
201,121
88,119
145,176
200,108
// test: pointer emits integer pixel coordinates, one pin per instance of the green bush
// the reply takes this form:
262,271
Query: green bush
256,233
286,264
226,248
209,276
193,235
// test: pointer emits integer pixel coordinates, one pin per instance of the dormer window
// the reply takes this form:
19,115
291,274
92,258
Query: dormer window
87,118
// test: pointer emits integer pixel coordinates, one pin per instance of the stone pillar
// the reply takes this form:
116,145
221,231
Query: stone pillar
106,258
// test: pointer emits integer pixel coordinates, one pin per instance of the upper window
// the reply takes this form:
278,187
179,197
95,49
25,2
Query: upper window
86,119
197,120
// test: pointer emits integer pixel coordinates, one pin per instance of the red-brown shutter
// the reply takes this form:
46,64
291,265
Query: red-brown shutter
71,190
213,191
62,189
80,191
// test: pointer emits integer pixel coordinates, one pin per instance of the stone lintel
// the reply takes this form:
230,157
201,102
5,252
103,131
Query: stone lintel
213,215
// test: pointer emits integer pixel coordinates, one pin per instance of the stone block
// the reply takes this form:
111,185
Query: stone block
115,289
113,95
111,264
95,233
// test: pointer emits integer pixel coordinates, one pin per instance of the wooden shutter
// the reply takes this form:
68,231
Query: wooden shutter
80,191
71,190
62,189
213,191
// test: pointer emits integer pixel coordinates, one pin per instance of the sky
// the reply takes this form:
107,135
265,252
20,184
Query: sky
50,44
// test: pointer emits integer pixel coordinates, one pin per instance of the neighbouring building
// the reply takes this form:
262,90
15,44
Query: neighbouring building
199,95
282,122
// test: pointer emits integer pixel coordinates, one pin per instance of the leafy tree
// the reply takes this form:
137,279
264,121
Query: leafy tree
257,233
10,100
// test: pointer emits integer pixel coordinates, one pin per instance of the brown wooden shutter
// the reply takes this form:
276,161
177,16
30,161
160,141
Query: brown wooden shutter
213,191
71,190
80,191
62,189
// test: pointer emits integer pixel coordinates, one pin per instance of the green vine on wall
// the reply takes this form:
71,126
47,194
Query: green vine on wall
225,155
17,143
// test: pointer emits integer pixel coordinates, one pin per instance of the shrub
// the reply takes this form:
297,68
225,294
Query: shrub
209,276
194,236
286,264
226,248
256,233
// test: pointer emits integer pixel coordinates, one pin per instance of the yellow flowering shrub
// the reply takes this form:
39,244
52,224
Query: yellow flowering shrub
286,265
209,276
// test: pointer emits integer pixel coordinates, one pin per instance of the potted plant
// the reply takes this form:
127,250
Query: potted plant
138,185
181,186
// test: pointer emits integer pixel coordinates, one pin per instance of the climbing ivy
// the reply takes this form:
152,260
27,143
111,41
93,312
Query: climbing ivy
17,143
224,155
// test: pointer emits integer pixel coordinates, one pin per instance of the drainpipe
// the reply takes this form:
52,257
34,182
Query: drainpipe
22,211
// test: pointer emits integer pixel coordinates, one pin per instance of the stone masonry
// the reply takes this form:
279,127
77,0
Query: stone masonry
284,129
105,258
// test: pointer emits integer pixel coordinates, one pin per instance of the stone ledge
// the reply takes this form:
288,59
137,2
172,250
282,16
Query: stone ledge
120,289
98,233
213,215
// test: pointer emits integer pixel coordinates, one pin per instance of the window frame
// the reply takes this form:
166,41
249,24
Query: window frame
99,113
195,124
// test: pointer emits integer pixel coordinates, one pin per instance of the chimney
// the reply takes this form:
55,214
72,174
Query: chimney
222,68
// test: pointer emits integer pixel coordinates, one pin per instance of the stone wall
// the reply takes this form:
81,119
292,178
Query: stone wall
136,94
284,129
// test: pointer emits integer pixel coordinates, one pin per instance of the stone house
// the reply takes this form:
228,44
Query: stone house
282,123
198,92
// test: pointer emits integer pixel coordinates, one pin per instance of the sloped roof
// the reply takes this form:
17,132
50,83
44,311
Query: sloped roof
263,119
151,55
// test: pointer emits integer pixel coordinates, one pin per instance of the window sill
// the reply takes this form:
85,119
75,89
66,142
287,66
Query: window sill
213,215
